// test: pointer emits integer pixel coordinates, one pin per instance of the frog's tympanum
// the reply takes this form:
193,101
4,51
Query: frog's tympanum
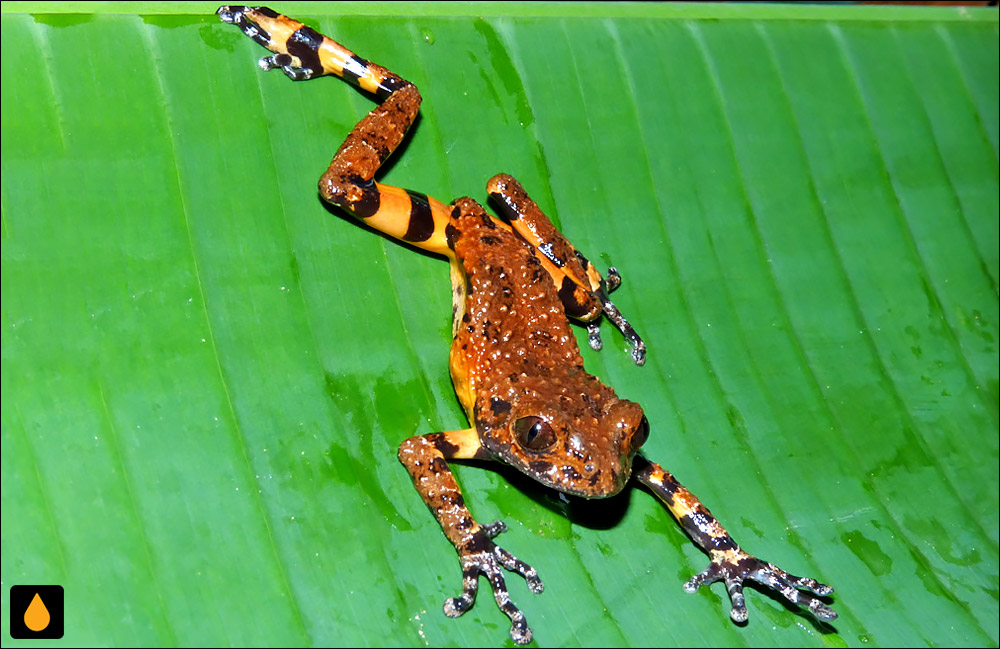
514,360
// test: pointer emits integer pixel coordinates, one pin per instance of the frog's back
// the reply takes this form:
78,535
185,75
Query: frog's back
513,319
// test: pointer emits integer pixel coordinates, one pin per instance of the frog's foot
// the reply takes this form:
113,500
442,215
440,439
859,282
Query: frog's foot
242,17
484,557
287,65
734,566
594,335
261,25
613,280
612,313
616,317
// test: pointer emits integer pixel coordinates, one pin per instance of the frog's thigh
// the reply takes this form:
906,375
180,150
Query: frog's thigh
404,214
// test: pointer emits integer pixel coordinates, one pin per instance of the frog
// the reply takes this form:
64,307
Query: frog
515,362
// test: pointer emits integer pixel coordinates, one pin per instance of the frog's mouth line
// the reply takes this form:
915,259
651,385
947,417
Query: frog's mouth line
566,478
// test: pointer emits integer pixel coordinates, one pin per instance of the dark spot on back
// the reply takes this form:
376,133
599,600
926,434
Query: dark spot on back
451,233
499,406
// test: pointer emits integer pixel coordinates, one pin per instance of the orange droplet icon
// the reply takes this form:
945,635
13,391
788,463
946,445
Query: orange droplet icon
36,617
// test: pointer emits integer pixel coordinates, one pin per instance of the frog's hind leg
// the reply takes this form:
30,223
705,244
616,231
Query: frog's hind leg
303,53
407,215
582,290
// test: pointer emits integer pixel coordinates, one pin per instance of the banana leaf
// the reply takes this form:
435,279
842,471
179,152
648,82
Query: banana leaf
206,372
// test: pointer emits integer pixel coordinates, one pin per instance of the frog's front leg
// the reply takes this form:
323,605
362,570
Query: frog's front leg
426,458
582,290
728,562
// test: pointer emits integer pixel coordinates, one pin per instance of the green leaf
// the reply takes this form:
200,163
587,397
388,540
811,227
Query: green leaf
206,372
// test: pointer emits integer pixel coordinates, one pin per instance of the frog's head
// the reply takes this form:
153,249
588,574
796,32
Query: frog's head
573,435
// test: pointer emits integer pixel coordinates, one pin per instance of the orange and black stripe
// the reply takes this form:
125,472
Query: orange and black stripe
728,563
303,53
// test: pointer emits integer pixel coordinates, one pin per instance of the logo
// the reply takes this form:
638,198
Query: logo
36,612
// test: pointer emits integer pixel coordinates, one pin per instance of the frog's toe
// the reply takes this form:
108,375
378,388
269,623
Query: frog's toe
520,632
613,280
594,335
738,613
230,13
237,15
492,530
715,572
512,563
794,589
287,65
639,352
457,606
274,61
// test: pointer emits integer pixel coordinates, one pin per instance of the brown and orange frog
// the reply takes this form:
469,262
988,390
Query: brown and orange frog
514,359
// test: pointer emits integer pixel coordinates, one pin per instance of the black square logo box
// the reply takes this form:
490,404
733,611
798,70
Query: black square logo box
36,612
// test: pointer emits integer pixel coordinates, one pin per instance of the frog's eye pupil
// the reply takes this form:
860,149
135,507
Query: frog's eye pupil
641,433
534,433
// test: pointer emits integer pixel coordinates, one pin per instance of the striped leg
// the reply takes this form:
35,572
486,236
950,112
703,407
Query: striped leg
582,290
303,53
426,458
728,562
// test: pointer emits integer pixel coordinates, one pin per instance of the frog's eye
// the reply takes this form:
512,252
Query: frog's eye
534,433
640,434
